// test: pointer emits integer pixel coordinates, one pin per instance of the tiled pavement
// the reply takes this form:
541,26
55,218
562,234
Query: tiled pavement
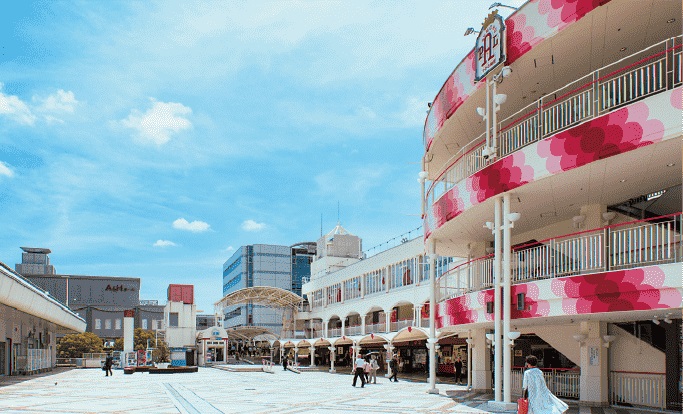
82,391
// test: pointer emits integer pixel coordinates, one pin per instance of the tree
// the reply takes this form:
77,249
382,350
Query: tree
141,337
75,345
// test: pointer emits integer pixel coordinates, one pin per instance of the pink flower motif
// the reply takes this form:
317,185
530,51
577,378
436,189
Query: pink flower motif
533,306
483,297
623,290
504,175
620,131
459,311
520,37
448,206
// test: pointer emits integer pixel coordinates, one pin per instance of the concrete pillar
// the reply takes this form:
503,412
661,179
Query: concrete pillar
497,331
387,317
128,331
332,349
593,387
326,325
390,354
312,349
362,324
481,362
432,322
343,328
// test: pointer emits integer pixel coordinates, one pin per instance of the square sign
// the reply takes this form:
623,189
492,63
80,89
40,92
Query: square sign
490,47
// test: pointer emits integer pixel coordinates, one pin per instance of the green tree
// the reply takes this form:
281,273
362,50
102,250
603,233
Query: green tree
141,337
75,345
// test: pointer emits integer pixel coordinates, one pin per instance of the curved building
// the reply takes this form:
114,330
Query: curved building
552,216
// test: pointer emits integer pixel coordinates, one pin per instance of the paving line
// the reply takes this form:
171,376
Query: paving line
187,402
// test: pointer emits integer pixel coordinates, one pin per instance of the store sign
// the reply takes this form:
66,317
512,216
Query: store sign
490,46
118,288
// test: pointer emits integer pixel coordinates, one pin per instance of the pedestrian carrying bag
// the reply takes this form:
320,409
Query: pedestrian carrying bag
522,406
104,367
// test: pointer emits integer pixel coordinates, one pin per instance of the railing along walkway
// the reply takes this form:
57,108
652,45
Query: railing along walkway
648,72
561,382
622,246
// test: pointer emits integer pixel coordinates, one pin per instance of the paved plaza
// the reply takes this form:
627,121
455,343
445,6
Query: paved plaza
212,391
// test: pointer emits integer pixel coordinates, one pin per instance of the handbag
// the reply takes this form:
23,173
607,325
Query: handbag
522,406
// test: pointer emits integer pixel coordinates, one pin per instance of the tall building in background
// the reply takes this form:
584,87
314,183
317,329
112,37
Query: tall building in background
264,265
100,300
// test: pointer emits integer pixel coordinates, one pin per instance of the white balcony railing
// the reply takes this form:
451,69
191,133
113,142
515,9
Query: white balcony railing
375,328
334,332
562,383
354,330
638,388
620,83
633,244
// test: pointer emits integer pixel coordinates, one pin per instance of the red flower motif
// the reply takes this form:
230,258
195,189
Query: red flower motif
504,175
533,306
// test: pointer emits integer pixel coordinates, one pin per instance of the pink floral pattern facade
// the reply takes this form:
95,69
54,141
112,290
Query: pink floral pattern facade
646,122
645,288
536,21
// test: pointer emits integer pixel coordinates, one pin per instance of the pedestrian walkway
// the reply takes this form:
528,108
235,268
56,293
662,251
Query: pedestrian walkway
218,391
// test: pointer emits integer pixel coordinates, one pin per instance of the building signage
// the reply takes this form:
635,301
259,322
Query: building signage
118,288
490,48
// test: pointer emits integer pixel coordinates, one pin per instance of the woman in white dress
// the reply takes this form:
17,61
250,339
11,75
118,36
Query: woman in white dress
541,400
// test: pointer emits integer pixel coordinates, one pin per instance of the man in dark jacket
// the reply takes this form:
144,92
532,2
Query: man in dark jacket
107,365
393,365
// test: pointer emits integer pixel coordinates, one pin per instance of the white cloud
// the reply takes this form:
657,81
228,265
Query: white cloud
251,225
163,243
195,226
5,170
414,113
16,109
228,249
159,122
60,102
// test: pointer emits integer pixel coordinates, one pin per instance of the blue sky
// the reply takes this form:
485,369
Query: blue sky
151,139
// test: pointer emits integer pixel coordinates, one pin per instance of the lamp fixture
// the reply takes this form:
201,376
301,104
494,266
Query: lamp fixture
488,152
490,250
608,339
470,30
578,220
470,342
481,111
489,225
500,99
667,318
496,4
422,176
655,320
513,217
506,71
608,216
512,336
580,338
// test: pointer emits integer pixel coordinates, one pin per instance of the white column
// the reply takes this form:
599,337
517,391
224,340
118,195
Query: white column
332,349
343,328
326,327
128,332
362,324
387,318
390,353
481,362
431,341
225,350
296,357
497,343
593,387
507,351
470,342
203,352
312,349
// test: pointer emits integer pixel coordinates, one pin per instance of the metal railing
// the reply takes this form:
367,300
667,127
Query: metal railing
650,71
375,328
33,361
334,332
645,389
562,383
632,244
353,330
403,323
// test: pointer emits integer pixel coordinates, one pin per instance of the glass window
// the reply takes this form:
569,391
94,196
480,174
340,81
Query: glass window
117,324
98,323
144,324
173,319
107,324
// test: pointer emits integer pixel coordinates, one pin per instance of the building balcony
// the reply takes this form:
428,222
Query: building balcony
651,71
623,246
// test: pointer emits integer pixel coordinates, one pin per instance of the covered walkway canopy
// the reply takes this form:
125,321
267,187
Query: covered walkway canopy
261,295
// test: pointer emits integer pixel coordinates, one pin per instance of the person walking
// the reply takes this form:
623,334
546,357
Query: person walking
108,362
359,368
374,366
367,369
393,366
284,363
457,366
541,400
